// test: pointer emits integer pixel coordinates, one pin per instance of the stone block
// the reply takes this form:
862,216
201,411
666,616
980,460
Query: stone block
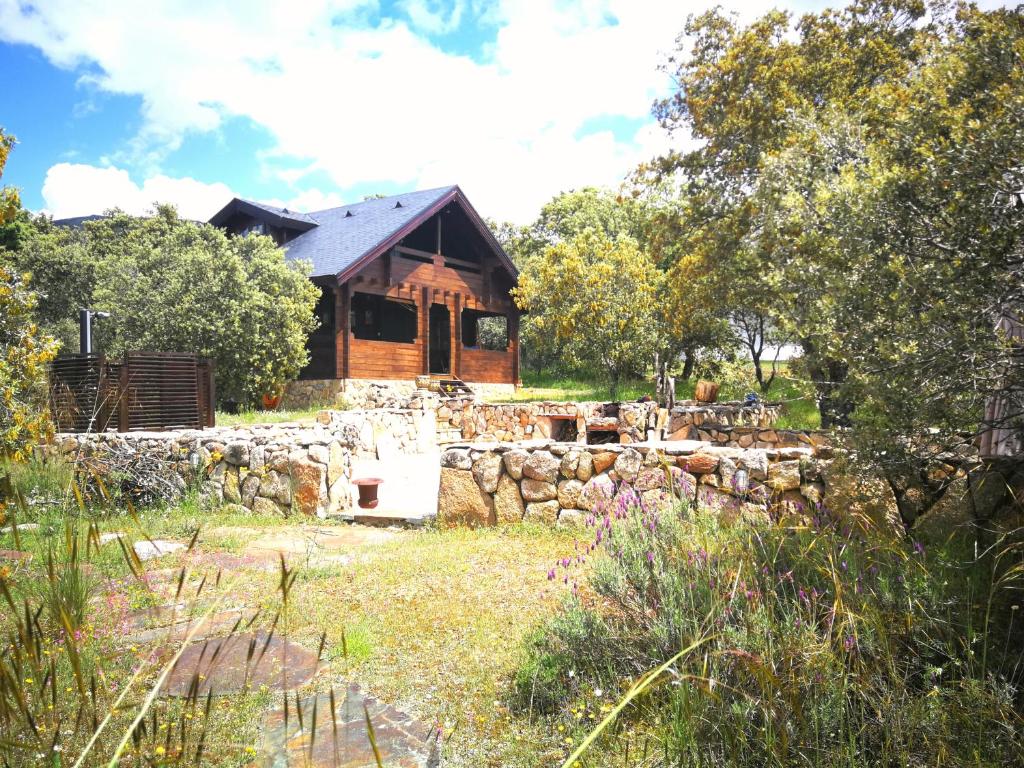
569,493
232,488
307,479
784,475
538,490
461,501
487,470
542,465
570,463
264,506
237,452
602,461
456,458
508,502
699,463
571,518
542,512
627,465
596,492
250,487
585,466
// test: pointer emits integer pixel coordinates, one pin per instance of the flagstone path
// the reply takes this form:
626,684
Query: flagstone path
228,654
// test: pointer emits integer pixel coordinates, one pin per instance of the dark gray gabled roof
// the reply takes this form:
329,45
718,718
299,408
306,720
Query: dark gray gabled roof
280,217
337,242
345,235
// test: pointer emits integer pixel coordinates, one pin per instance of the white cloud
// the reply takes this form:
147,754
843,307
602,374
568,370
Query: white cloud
367,99
74,189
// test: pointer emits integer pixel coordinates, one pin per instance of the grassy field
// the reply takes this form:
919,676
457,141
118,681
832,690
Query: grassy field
433,622
243,418
799,411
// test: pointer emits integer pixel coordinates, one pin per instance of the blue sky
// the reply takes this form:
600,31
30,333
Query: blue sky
312,103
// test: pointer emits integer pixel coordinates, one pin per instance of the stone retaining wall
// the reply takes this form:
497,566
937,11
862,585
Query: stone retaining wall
384,432
565,482
370,393
271,469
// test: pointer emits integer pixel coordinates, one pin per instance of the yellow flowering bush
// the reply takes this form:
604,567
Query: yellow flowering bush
24,354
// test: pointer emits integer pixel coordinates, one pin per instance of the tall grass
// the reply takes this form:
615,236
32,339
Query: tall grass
824,643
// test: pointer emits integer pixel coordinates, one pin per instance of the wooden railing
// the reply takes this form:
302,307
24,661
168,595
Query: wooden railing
143,391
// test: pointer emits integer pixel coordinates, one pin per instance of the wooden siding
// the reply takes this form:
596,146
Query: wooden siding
414,279
487,366
384,359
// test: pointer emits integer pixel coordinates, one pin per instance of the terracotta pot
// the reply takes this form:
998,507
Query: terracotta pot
368,491
706,391
270,402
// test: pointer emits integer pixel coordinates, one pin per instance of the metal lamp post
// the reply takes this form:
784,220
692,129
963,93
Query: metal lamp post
85,317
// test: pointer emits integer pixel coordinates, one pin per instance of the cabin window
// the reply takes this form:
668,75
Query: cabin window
377,318
484,330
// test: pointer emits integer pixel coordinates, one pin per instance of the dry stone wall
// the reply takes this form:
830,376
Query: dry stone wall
384,432
370,393
286,469
564,483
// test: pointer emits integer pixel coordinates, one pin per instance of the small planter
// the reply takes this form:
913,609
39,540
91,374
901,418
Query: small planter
271,401
368,491
706,392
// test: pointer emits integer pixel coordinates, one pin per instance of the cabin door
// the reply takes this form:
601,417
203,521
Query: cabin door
440,339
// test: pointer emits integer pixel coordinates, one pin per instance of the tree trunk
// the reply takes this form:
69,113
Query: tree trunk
828,377
688,364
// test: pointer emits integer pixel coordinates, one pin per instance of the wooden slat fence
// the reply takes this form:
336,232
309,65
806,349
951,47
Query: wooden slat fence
144,391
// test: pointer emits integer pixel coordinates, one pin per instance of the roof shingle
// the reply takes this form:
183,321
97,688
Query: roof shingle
345,234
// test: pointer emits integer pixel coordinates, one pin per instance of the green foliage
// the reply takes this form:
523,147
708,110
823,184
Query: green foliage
24,353
175,285
596,299
10,201
827,643
857,186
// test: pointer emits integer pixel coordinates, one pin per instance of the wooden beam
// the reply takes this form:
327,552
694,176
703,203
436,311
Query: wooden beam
513,343
342,318
387,263
425,322
404,249
457,323
438,233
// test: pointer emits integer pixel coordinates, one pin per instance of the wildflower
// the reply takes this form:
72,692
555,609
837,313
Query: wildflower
159,750
918,548
650,557
849,643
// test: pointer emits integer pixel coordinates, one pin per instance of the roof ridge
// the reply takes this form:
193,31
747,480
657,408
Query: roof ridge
447,188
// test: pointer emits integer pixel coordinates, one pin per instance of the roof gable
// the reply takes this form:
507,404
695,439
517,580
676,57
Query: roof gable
340,241
279,217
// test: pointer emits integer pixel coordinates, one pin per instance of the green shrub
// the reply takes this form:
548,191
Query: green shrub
825,643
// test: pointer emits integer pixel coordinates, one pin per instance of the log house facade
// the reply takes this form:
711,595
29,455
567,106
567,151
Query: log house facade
413,284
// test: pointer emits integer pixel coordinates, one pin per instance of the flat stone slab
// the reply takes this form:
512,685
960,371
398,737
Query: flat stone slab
342,741
230,664
177,628
21,527
148,550
325,539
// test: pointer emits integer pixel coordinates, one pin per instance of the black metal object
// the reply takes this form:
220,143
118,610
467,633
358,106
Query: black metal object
85,317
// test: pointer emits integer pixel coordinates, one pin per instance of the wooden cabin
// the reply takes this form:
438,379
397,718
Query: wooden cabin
410,284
